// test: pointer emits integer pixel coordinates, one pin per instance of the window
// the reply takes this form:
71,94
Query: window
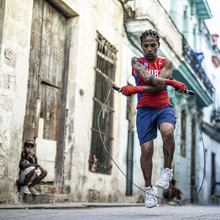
99,161
194,38
185,22
183,133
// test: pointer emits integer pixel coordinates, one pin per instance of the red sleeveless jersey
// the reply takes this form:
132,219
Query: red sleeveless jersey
157,99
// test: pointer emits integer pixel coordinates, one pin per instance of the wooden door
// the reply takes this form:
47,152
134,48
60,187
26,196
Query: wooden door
46,67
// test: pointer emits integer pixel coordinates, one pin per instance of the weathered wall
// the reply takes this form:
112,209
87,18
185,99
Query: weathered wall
90,17
211,146
13,86
105,17
213,75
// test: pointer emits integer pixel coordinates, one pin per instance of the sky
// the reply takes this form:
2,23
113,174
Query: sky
213,24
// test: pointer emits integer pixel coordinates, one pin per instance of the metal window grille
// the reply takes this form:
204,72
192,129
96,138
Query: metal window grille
99,161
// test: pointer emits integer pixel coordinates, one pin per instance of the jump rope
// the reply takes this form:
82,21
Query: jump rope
197,120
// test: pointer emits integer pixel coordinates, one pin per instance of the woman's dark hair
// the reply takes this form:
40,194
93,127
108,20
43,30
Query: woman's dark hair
150,33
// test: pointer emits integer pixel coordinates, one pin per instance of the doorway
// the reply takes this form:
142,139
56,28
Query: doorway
193,161
213,177
47,81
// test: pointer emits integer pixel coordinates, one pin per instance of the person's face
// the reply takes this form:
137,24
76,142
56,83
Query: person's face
150,46
29,149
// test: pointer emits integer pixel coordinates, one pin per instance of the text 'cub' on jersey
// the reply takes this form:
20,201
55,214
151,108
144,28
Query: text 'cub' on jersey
157,99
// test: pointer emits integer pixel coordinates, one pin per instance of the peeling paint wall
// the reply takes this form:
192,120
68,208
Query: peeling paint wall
90,17
106,18
13,87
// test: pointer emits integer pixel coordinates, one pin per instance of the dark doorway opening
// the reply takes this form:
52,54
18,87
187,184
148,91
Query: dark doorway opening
193,160
213,177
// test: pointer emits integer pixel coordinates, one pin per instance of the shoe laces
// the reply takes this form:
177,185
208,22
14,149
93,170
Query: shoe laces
150,193
165,173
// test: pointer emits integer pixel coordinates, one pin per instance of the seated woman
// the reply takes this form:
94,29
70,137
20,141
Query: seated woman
29,174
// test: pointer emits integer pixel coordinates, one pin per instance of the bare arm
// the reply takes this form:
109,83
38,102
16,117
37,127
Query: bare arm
165,73
25,165
155,83
35,157
143,73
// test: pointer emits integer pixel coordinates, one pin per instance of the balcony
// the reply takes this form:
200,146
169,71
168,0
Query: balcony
202,9
213,44
192,60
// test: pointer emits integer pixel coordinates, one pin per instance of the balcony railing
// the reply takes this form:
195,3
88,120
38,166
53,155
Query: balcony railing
193,61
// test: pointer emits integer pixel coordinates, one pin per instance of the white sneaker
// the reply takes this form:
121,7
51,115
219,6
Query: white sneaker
164,179
150,200
34,191
24,189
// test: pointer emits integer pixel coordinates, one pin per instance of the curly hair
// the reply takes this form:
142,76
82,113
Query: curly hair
150,33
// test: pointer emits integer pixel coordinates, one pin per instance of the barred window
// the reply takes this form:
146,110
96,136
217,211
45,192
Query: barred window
99,161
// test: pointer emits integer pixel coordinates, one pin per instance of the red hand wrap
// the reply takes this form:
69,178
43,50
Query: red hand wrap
128,90
175,84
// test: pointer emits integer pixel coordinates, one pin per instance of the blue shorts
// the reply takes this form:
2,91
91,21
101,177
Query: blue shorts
148,119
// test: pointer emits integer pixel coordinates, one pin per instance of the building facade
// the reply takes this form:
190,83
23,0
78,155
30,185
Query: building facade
181,27
59,58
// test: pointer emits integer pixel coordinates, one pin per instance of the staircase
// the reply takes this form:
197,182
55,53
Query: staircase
49,194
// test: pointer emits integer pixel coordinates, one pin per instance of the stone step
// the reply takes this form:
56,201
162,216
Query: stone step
44,198
43,188
47,189
49,194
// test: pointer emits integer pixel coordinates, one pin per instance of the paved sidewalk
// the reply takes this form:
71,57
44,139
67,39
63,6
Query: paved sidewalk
69,206
108,212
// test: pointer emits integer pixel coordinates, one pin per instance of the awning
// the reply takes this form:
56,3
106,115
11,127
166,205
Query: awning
203,9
